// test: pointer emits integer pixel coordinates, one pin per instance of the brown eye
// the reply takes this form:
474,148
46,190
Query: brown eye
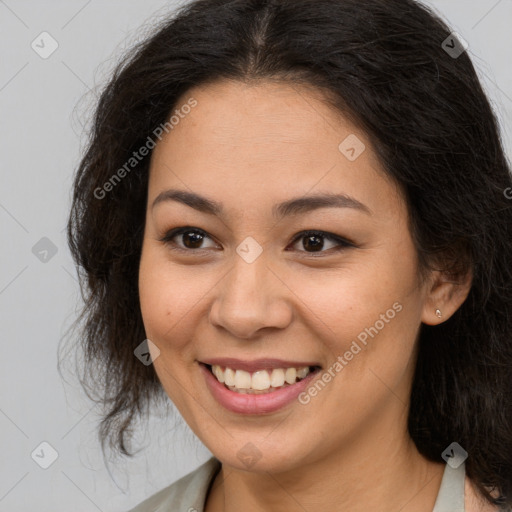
191,238
314,241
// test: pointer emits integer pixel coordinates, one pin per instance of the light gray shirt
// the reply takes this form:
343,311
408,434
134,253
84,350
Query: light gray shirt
188,494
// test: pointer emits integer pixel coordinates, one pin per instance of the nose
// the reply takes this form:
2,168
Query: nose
251,297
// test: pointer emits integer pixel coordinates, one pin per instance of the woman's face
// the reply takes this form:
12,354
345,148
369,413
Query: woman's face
249,286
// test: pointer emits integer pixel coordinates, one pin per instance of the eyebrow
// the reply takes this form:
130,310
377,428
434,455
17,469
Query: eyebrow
292,206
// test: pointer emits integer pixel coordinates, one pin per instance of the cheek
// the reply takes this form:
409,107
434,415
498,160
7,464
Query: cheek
170,295
157,293
347,301
369,311
168,298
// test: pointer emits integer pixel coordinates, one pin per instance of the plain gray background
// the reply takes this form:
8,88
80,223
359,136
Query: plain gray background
41,137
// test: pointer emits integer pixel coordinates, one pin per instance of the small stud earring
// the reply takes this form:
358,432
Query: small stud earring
438,313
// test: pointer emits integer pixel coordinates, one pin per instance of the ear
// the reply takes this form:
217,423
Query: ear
445,294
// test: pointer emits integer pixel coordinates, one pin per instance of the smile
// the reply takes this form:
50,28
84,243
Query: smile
260,381
258,387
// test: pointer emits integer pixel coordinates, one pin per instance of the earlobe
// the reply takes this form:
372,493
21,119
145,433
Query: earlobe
444,297
433,317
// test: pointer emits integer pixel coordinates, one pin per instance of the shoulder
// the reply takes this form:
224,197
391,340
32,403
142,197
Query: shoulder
189,492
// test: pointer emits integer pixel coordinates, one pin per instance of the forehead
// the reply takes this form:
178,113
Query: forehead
245,143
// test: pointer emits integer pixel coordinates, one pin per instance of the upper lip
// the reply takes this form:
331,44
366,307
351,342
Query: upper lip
256,364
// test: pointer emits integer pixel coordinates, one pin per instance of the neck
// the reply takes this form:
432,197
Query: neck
382,475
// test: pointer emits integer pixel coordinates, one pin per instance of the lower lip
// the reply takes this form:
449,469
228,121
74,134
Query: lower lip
255,404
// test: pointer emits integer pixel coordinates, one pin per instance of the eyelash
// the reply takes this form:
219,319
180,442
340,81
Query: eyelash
343,243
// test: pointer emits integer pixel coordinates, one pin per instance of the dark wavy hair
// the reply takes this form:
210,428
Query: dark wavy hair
383,64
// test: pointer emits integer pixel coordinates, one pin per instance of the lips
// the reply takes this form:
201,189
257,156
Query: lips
253,404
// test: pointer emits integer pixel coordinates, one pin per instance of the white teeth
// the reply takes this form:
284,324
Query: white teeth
229,376
277,378
242,379
290,375
302,372
261,380
218,373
